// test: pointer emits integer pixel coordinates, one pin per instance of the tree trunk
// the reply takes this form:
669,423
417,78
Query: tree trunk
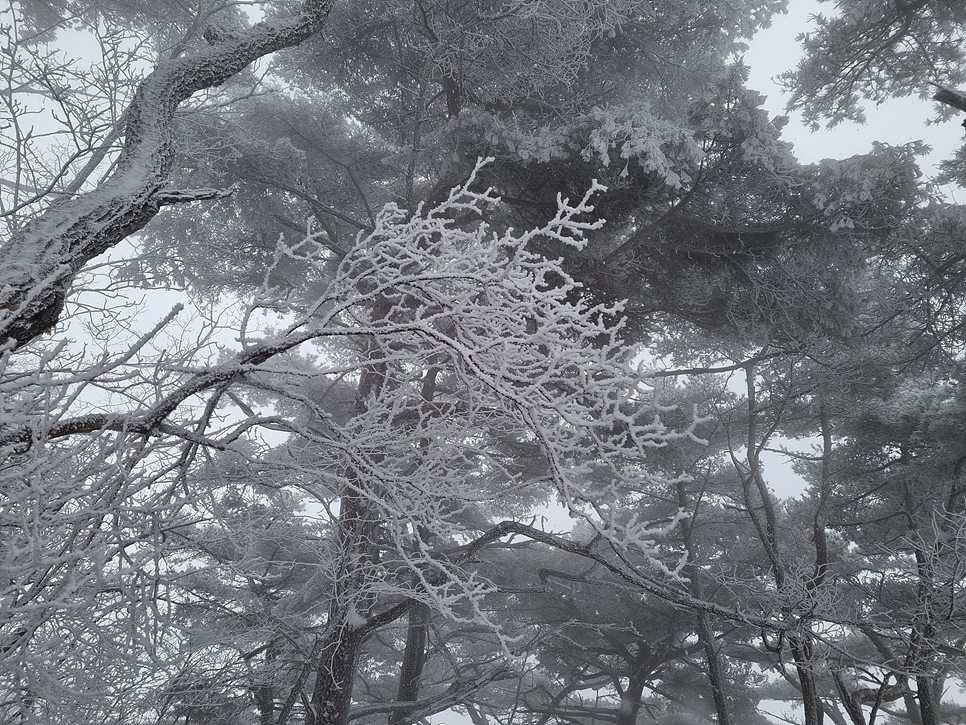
476,717
631,700
922,637
766,526
264,694
335,671
414,658
923,632
332,695
715,670
928,706
852,706
265,703
811,699
704,631
350,604
912,705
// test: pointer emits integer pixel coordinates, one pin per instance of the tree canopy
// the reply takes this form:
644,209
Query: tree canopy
426,361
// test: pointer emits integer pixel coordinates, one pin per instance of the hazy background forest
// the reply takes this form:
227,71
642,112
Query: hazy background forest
445,362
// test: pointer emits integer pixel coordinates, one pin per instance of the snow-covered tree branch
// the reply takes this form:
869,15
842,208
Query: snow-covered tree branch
44,257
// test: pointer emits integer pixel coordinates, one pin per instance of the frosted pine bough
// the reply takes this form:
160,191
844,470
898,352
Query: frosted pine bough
468,353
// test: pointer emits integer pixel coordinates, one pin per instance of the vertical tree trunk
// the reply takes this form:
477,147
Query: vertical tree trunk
336,668
335,671
912,705
715,670
928,705
265,703
923,632
414,655
765,523
704,631
811,699
414,658
265,693
802,646
332,695
922,636
631,699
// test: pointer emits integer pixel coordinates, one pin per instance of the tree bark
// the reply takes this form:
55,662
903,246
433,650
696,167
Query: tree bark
908,698
766,526
41,260
811,698
642,667
336,664
704,631
350,604
852,706
631,700
332,695
414,658
265,703
715,670
928,706
951,97
414,655
264,693
923,631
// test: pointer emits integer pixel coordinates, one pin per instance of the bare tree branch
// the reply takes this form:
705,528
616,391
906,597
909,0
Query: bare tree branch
951,97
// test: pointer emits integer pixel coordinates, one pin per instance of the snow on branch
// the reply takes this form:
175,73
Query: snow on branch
40,261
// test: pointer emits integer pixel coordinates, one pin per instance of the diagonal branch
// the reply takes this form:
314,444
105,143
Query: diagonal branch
40,261
951,97
152,420
455,694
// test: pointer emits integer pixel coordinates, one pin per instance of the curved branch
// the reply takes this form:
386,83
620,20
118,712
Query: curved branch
40,261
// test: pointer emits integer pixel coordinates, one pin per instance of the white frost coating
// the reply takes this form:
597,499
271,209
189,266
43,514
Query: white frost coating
632,134
522,355
354,619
